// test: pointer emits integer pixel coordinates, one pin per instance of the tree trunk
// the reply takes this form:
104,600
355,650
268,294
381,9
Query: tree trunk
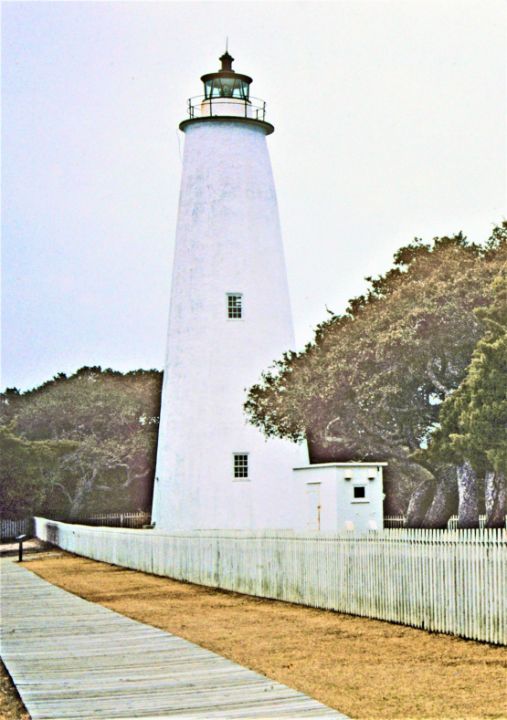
420,500
495,497
468,504
445,500
84,486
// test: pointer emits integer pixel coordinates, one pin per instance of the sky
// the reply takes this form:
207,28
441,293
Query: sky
389,124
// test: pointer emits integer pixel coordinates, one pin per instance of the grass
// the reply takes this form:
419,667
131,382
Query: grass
11,707
365,668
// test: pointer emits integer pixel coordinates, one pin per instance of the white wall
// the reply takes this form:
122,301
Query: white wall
227,240
333,484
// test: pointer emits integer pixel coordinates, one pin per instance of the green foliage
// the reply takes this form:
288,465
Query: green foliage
371,384
474,418
108,423
29,471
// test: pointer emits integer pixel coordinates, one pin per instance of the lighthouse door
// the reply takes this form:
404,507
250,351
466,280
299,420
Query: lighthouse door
313,507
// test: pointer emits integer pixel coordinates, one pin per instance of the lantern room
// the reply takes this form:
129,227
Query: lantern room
227,95
226,83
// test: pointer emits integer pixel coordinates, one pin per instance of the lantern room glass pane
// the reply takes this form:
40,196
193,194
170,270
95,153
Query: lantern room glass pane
240,89
226,87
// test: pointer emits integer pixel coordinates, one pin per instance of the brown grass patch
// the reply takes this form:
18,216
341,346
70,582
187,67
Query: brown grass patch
11,707
364,668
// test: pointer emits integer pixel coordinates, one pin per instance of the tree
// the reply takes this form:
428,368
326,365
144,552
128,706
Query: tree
111,420
371,384
473,430
28,472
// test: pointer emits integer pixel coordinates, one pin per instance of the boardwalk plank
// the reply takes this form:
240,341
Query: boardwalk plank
70,658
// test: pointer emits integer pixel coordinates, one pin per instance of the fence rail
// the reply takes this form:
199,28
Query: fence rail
447,581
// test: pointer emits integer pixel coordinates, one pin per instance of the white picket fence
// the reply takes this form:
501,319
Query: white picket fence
10,529
399,521
446,581
394,521
452,523
128,519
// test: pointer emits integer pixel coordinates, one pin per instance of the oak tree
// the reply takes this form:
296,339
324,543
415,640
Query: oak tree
371,384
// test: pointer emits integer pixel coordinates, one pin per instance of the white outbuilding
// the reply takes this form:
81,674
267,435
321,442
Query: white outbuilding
341,496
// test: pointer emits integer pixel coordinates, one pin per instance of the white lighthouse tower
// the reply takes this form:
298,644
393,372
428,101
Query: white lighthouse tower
229,319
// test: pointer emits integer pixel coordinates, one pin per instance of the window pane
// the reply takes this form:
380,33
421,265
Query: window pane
234,306
240,465
227,85
240,89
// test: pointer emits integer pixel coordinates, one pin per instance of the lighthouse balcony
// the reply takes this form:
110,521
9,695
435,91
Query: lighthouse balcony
203,107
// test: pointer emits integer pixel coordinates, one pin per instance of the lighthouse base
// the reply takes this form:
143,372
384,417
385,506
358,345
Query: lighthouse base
212,499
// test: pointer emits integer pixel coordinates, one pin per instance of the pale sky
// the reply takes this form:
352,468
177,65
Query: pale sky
389,124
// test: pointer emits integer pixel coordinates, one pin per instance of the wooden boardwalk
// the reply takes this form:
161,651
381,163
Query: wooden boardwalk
71,658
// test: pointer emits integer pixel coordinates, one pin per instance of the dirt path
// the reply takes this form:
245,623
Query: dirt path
364,668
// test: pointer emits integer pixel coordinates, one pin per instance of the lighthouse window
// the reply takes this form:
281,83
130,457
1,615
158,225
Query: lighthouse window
234,306
241,465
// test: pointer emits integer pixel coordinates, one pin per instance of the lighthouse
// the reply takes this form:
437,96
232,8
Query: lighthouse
229,319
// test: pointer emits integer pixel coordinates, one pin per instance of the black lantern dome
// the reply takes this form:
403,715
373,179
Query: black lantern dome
226,83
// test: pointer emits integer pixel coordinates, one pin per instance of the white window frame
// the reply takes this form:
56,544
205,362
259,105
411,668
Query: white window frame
234,295
234,456
359,500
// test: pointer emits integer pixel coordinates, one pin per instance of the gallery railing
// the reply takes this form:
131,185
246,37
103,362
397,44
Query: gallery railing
202,106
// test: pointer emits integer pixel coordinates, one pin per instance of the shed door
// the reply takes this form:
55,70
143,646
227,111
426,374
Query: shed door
313,507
